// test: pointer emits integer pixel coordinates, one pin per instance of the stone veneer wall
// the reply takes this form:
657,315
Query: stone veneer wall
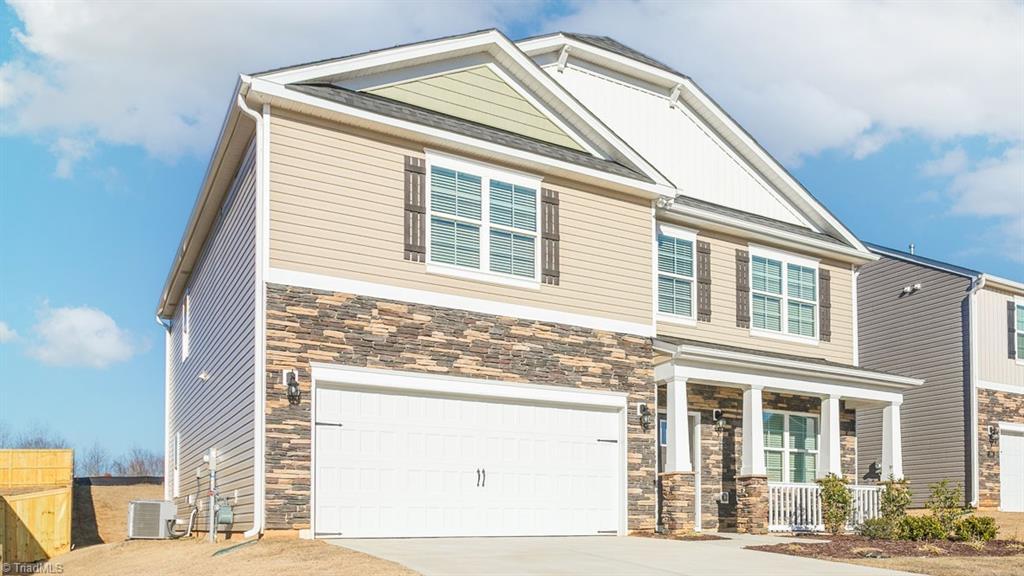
721,449
993,407
677,502
305,325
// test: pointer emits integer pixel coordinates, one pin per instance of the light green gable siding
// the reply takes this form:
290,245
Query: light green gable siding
479,95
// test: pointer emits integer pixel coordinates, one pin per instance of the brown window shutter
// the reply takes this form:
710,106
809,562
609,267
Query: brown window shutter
549,236
824,305
742,288
1011,326
415,209
703,281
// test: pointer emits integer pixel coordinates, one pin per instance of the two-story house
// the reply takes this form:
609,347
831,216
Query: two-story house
477,287
962,331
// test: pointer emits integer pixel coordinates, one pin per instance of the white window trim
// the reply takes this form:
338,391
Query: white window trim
486,172
689,235
1018,357
186,326
786,450
785,258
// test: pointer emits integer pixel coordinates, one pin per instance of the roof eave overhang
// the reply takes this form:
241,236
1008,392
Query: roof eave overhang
503,49
707,220
688,354
1004,284
711,112
204,210
278,95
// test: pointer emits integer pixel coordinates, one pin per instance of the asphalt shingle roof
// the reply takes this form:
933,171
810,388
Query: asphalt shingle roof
755,218
411,113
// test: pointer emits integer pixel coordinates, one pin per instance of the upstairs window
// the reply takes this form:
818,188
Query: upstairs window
676,271
783,293
483,221
1019,316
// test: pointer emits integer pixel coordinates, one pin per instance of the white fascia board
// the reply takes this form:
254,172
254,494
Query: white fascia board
693,95
1000,387
1004,284
279,95
589,124
442,300
701,219
443,384
689,355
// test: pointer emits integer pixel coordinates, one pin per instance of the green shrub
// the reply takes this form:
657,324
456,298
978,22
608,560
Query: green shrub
922,528
836,503
946,505
877,529
976,529
893,504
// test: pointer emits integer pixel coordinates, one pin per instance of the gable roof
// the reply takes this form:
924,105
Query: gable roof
403,111
922,261
755,219
597,136
624,60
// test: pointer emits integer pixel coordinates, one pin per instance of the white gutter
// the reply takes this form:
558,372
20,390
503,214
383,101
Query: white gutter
972,306
167,403
259,373
856,328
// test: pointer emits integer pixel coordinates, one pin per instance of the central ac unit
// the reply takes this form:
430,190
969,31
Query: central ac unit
147,519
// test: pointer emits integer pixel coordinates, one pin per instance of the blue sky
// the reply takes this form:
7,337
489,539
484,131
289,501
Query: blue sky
904,120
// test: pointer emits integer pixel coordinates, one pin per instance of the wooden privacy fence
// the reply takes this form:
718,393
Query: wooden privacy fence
35,504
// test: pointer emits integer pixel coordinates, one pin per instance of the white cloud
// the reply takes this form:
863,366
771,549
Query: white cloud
161,78
68,152
6,332
994,188
81,336
948,164
847,75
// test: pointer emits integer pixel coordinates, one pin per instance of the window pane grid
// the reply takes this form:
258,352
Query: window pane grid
675,256
767,313
675,296
791,447
792,311
513,206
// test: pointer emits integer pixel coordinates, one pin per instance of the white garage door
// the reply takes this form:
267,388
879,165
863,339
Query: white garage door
1011,471
402,464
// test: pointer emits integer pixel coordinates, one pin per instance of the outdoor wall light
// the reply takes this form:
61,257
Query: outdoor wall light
993,434
292,381
716,417
645,417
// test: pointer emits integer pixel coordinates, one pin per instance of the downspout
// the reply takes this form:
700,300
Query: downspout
259,373
167,404
977,284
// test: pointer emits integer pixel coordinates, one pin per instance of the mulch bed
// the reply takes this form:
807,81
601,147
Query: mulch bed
696,536
861,547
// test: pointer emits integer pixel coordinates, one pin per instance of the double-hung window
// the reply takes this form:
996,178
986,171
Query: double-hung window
1019,329
676,272
790,447
483,222
783,294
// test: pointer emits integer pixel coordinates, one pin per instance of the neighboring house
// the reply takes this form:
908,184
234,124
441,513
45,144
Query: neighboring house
962,331
477,287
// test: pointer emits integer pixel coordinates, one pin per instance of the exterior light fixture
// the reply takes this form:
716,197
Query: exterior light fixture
993,434
716,417
645,417
204,376
292,381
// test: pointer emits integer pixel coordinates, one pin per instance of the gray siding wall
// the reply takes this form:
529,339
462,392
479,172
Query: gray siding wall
922,335
219,412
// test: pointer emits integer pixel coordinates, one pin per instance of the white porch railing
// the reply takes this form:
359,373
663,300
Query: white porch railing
797,507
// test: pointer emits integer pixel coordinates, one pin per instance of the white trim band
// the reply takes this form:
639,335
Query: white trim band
998,387
479,305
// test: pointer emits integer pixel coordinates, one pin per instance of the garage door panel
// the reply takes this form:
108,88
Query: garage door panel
1011,471
407,465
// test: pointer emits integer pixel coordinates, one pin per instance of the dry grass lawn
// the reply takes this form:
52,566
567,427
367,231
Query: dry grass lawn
955,566
1011,524
101,512
276,557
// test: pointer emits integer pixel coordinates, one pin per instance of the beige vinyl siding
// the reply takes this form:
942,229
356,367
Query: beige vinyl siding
480,95
723,330
921,335
219,413
994,363
336,208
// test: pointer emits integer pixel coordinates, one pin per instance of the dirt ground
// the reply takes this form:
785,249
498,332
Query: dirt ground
277,557
101,512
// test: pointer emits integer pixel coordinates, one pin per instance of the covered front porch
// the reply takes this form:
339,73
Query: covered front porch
744,434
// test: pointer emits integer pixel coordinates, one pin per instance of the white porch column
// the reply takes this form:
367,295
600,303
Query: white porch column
830,451
753,433
892,442
678,450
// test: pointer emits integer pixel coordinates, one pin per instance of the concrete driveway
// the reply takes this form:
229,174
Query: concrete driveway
597,556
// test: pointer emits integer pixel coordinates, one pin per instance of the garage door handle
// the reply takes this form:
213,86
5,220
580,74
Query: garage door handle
485,478
477,477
